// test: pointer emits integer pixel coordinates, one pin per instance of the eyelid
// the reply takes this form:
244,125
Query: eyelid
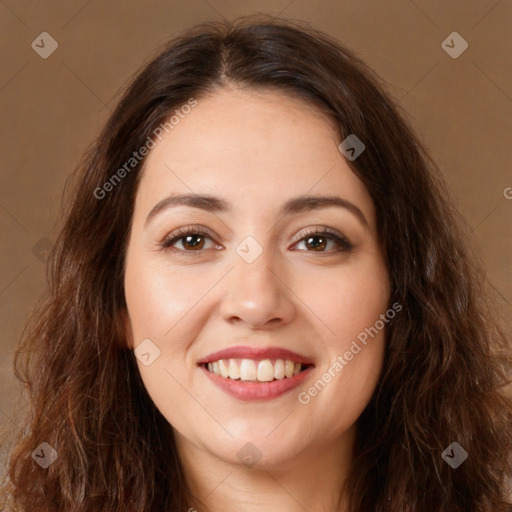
195,228
315,230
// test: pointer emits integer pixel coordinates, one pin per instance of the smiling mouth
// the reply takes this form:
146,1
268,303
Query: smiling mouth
251,370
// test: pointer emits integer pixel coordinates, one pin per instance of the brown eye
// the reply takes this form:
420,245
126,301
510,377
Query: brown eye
317,241
192,241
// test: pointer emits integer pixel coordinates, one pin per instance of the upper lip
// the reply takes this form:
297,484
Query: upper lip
246,352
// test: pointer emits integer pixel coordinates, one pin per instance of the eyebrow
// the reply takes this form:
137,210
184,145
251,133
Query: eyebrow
292,206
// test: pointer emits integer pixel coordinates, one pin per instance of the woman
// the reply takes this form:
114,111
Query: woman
261,300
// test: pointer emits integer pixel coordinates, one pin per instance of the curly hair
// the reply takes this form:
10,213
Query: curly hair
447,357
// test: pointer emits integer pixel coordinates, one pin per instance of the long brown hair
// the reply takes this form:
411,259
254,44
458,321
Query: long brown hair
442,380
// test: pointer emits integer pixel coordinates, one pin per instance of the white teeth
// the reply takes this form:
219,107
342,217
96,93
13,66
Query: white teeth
248,369
288,368
224,368
234,369
265,370
279,369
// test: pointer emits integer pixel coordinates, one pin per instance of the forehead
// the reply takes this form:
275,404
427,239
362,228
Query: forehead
251,147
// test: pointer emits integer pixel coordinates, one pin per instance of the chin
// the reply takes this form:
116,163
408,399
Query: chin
254,447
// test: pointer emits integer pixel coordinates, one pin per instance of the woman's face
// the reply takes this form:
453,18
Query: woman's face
257,294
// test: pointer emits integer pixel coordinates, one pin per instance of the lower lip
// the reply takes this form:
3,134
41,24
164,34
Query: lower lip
252,391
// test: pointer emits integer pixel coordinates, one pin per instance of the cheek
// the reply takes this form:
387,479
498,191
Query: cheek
341,396
348,302
160,303
158,299
157,304
353,343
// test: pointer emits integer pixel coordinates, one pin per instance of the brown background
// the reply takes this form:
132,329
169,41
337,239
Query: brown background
51,109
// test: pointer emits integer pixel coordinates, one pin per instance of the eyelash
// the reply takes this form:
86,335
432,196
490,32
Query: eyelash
343,243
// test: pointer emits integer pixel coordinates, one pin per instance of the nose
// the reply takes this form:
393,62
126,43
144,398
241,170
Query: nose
257,294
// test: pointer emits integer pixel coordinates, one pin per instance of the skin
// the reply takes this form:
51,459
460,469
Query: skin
256,149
